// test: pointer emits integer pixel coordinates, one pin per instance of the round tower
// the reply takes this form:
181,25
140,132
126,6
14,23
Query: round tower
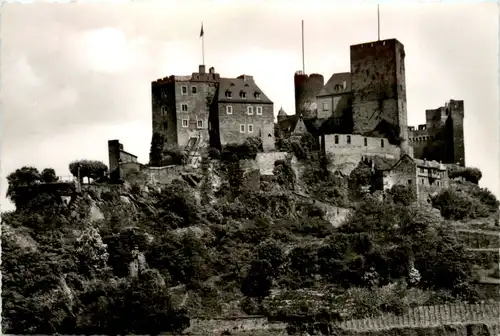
306,89
282,115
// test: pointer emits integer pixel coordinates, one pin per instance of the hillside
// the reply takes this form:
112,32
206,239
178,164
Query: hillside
289,252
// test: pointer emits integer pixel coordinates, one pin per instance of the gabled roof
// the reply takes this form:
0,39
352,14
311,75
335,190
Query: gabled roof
245,84
335,84
300,127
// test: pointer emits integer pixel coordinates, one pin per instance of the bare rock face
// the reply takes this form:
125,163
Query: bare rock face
95,213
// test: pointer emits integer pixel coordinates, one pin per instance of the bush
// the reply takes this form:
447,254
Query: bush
458,205
470,174
404,195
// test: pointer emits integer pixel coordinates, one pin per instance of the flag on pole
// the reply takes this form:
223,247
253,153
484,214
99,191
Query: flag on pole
201,32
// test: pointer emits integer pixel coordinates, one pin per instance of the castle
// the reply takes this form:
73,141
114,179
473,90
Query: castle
357,116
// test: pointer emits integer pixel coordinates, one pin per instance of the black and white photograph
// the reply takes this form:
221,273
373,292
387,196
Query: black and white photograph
250,168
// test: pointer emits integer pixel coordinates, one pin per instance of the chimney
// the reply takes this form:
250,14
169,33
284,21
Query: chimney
202,69
211,70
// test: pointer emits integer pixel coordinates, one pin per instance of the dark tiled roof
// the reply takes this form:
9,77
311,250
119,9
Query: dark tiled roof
335,84
289,124
430,164
382,163
241,84
282,113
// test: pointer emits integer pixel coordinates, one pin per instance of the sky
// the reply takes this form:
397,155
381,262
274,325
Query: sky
76,75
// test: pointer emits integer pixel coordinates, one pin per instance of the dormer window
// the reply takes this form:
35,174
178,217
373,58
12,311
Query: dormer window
243,94
228,94
257,95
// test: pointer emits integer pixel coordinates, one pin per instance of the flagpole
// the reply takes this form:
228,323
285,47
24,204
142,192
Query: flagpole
378,22
202,35
303,58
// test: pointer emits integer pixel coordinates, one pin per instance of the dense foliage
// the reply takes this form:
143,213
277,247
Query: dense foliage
158,256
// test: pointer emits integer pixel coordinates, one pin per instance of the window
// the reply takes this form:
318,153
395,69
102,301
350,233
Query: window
423,181
250,128
257,95
163,110
250,110
185,122
229,109
184,107
382,143
228,94
165,125
242,128
184,90
199,123
259,110
344,84
409,182
336,139
243,94
193,90
366,141
325,106
348,139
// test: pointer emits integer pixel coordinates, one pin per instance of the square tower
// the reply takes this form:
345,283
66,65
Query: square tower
379,90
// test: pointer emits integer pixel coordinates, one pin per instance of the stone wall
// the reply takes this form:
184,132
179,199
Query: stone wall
233,325
230,124
355,144
163,175
266,161
428,317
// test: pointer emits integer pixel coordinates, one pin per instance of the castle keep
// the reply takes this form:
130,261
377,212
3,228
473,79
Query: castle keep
369,102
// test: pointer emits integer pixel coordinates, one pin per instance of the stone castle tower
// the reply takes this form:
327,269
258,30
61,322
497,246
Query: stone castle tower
379,91
306,89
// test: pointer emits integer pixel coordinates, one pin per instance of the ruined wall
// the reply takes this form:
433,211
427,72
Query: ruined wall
360,145
378,85
230,124
457,121
442,137
306,89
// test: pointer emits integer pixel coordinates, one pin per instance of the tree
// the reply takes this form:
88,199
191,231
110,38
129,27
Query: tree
156,152
92,252
258,281
88,168
49,175
25,176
